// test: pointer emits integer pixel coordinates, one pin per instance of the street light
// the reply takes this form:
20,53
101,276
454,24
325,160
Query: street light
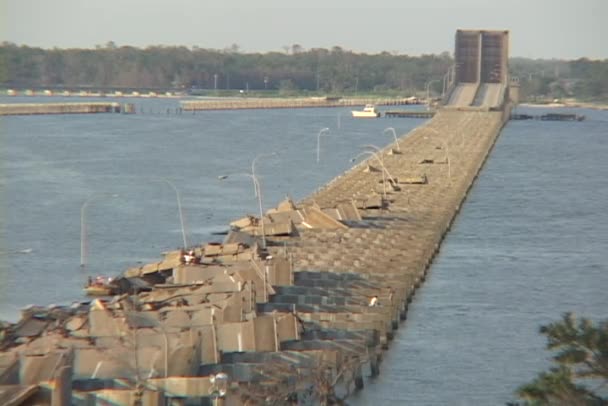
256,186
394,136
378,154
448,79
381,164
323,131
253,166
83,225
427,86
179,209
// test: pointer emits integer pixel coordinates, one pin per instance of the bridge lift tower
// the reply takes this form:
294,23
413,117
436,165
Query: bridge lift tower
481,72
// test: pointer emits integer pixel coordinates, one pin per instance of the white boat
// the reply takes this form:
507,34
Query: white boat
368,112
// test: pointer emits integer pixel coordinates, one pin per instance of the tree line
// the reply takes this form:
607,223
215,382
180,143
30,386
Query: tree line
294,71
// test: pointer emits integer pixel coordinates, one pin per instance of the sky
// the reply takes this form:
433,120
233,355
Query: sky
562,29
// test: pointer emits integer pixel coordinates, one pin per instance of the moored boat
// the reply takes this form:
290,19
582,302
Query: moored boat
368,112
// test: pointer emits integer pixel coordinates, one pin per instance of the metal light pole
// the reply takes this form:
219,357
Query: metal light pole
378,155
427,86
83,225
448,78
394,136
179,209
253,166
256,186
323,131
381,164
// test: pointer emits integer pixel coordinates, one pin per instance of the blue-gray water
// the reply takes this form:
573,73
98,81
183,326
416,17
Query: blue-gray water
530,243
53,163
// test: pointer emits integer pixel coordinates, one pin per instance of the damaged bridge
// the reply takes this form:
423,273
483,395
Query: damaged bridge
295,307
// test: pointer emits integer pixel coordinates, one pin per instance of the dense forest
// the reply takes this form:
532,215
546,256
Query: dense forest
293,71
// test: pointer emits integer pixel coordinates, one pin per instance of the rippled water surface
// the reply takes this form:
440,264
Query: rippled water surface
530,243
52,164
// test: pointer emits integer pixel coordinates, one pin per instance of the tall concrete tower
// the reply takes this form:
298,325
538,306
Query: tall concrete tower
481,56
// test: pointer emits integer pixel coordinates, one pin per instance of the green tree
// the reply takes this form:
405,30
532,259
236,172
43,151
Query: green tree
580,373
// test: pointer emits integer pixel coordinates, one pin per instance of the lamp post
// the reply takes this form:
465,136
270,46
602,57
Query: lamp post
428,95
448,79
445,85
323,131
394,136
384,171
256,186
253,167
83,225
179,209
378,154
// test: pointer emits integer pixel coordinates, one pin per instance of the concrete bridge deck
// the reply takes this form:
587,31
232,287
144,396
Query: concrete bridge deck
401,240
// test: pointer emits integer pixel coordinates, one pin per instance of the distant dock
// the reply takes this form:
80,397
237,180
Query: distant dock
64,108
409,114
286,103
549,117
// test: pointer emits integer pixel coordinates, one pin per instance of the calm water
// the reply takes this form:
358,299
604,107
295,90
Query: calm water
52,164
531,242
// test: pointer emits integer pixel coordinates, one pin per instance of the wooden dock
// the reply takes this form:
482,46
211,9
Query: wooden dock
408,114
285,103
64,108
549,117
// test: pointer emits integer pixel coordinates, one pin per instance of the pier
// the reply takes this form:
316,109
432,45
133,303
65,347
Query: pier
408,114
286,103
293,307
549,117
64,108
